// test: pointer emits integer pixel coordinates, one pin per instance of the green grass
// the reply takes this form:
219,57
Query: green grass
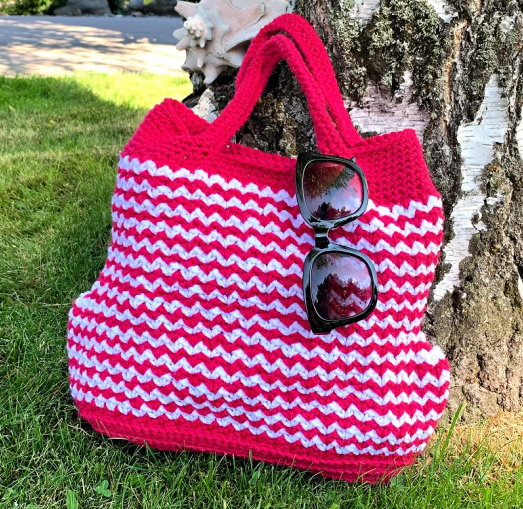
59,140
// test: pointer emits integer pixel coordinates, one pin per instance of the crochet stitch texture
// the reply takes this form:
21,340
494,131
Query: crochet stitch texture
195,337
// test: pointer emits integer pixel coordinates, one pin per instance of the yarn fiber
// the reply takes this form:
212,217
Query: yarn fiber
195,336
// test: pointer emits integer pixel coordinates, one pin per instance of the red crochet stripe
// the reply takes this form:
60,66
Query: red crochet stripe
174,295
273,396
141,286
286,184
194,437
136,254
371,424
290,394
383,431
117,360
266,276
237,200
393,240
221,340
194,321
385,333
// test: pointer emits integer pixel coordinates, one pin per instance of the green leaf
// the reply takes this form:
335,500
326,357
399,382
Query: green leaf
9,493
147,2
103,489
398,482
254,478
70,500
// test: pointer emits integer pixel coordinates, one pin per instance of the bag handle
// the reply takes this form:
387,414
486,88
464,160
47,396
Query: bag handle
317,60
236,113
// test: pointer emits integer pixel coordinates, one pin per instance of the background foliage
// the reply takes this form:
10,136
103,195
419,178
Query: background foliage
29,7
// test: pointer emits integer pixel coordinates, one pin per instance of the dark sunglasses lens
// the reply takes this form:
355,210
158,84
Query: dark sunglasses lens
341,286
332,190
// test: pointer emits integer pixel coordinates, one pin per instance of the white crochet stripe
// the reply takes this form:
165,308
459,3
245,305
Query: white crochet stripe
213,199
270,345
391,229
214,275
406,287
233,298
369,414
218,373
126,240
251,223
235,316
156,302
229,299
256,339
415,249
150,168
179,252
181,344
125,408
206,219
397,211
305,404
167,380
404,268
244,226
297,370
188,273
255,282
252,243
165,361
244,263
127,184
108,292
362,244
258,415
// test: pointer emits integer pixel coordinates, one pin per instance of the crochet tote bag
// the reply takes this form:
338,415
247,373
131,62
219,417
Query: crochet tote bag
195,335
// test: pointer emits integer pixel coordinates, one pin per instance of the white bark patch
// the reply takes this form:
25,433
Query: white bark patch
443,10
205,108
380,113
519,138
507,24
365,9
477,140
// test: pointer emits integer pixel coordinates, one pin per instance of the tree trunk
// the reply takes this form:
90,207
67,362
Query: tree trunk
454,73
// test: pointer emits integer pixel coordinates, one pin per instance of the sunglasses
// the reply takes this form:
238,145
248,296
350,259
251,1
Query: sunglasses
340,285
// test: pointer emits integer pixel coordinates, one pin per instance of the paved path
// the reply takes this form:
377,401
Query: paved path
57,45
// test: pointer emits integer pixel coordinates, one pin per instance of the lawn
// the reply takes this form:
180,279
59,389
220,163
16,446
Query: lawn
59,140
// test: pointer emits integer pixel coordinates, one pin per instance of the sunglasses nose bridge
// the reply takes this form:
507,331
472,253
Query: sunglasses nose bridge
321,238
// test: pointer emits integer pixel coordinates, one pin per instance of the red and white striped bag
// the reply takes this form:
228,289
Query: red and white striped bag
195,335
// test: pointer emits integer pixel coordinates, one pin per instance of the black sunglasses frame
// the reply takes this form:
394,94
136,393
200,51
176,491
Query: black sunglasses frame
324,245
